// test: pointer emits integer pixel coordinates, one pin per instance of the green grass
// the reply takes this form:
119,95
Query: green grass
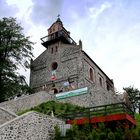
59,109
22,112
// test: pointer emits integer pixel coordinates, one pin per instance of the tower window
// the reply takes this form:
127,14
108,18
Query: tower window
50,30
108,87
52,50
54,66
91,74
56,49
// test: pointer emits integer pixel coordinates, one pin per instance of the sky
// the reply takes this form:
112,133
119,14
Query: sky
109,30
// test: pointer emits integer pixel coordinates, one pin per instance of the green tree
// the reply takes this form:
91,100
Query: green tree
15,51
133,94
57,133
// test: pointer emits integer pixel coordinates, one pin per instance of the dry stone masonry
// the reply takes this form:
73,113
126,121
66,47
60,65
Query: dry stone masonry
30,126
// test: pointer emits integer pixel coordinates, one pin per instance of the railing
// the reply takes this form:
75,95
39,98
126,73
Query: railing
103,110
56,35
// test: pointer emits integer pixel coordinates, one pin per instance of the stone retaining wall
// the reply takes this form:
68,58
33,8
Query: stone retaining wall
81,100
27,101
30,126
92,98
6,115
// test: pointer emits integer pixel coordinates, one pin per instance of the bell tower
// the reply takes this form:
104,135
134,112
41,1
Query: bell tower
56,33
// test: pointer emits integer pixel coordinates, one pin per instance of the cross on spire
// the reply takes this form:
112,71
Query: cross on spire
58,18
58,15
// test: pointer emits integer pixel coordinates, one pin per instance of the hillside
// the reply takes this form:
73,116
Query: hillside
59,109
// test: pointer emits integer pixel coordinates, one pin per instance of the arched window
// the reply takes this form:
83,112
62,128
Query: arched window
108,87
100,81
91,74
55,90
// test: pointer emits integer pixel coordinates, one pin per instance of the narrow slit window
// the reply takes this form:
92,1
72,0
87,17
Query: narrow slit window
100,81
52,50
56,49
91,74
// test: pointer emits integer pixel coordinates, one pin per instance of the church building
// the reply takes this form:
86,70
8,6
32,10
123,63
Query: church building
65,70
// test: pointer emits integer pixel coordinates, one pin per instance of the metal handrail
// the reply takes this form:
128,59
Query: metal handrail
102,110
60,33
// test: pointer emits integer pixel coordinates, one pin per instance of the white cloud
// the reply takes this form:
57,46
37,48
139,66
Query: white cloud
44,11
23,6
94,12
5,10
112,40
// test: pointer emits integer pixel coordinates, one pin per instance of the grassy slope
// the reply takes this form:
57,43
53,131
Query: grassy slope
59,109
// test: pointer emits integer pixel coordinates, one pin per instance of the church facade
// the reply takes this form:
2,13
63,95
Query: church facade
64,66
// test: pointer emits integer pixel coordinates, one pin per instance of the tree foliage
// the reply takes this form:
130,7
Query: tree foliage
98,133
15,51
133,94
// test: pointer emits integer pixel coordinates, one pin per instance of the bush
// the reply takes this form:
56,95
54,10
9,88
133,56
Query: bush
111,136
57,133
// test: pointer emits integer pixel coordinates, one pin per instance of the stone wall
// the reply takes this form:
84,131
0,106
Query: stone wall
6,115
97,74
29,126
67,58
26,102
94,97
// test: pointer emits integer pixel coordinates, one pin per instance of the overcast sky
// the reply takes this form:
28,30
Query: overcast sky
109,30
